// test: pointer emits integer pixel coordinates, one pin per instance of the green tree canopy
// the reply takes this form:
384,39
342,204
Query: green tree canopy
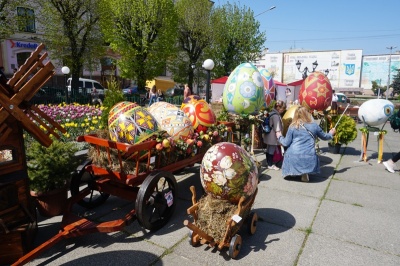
143,33
237,38
8,11
194,35
71,33
396,83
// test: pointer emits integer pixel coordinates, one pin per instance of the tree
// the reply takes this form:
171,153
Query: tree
396,83
71,33
194,35
237,38
377,88
8,18
143,33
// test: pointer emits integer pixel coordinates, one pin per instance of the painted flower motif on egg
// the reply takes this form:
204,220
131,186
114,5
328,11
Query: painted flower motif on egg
201,115
316,92
228,172
172,119
131,125
269,86
244,90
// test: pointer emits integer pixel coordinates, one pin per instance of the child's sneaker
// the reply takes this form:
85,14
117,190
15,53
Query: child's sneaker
273,167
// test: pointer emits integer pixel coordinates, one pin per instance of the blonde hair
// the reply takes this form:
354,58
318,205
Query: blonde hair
301,116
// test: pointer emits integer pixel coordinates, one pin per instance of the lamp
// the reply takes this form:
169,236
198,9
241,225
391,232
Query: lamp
390,61
65,70
208,65
272,7
193,65
326,72
305,70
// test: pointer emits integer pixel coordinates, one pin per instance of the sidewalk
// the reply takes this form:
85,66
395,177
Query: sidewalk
349,215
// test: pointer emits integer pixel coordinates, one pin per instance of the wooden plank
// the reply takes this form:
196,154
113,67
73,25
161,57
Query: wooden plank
27,65
25,79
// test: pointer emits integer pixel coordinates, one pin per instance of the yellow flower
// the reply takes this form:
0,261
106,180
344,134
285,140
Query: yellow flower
87,131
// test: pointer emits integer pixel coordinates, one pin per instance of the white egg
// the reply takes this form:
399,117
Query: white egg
375,112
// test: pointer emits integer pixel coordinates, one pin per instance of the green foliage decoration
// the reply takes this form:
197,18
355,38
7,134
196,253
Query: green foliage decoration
50,168
346,130
112,96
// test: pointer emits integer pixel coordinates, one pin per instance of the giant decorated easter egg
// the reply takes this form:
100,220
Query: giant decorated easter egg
120,108
288,117
201,115
173,120
191,99
269,86
316,92
228,172
244,90
131,124
375,112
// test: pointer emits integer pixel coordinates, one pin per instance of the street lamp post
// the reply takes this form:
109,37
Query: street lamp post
272,7
305,70
390,62
208,65
65,70
193,65
326,72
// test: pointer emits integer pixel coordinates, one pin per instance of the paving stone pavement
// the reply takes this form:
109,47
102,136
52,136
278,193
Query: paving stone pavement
348,215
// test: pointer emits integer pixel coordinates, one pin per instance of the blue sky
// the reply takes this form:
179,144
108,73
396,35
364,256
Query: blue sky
316,25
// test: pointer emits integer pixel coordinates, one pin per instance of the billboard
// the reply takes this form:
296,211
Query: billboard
376,68
273,63
344,66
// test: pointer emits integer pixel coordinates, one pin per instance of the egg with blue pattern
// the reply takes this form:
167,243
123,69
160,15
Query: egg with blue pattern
244,90
375,112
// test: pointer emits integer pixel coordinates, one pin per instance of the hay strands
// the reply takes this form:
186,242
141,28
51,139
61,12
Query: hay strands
230,238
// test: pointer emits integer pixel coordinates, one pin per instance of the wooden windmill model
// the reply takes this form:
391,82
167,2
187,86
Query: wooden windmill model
17,212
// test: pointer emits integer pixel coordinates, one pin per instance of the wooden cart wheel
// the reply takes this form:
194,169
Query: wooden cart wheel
83,179
234,246
252,223
193,240
156,200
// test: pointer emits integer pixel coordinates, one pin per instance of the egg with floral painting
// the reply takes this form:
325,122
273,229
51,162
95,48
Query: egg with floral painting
172,119
316,92
228,172
244,90
131,124
269,86
201,115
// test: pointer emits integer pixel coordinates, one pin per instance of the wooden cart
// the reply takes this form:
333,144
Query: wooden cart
231,239
151,187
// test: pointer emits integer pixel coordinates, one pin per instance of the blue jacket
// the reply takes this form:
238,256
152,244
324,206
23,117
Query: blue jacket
300,156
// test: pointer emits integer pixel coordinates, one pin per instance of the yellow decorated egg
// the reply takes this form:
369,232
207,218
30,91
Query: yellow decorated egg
191,99
228,172
316,92
173,120
131,124
201,115
288,117
244,90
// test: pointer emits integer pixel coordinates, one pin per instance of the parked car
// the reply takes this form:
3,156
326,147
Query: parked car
342,98
134,94
86,86
175,91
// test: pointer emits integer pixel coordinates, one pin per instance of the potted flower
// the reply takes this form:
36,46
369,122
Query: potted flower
346,131
49,171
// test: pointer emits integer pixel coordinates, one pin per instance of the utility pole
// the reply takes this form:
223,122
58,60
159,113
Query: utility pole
390,62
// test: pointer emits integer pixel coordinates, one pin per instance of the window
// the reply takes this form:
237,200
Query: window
26,18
